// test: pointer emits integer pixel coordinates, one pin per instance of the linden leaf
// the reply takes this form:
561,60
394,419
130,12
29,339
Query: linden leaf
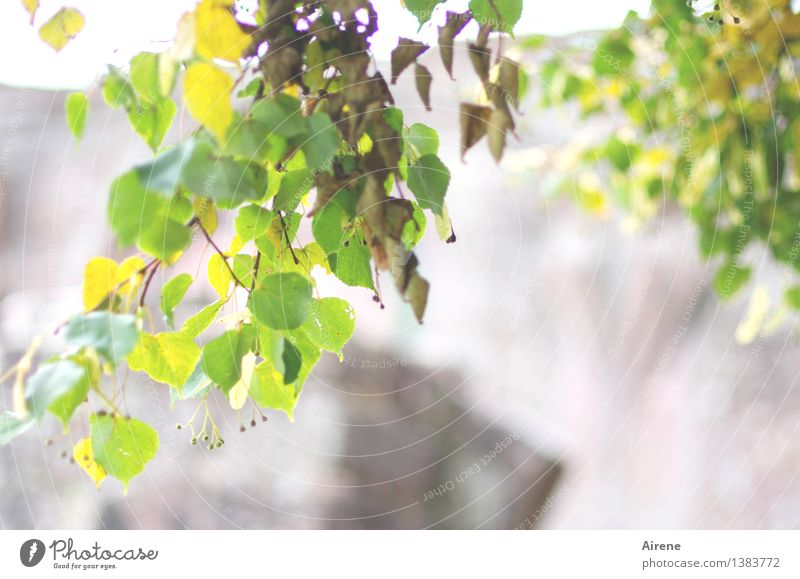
206,212
473,120
404,54
454,24
12,426
216,32
77,109
196,324
501,15
31,6
83,455
281,301
268,390
168,357
98,281
61,28
222,357
207,94
423,81
51,382
172,293
113,336
429,179
122,446
152,120
330,323
219,276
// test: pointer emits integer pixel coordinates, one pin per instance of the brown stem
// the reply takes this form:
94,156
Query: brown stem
147,283
286,236
255,271
221,254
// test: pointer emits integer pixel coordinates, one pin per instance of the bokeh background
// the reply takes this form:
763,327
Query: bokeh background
570,373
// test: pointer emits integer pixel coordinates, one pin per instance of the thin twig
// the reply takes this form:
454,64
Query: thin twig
255,271
286,236
221,254
147,283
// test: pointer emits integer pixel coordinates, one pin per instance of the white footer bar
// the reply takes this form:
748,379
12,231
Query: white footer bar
407,554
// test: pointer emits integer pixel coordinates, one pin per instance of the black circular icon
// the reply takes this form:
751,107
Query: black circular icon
31,552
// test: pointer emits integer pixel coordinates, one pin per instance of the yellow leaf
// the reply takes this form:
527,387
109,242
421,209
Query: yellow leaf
207,94
238,394
205,211
98,281
83,455
217,33
31,6
236,245
753,321
218,276
127,276
61,28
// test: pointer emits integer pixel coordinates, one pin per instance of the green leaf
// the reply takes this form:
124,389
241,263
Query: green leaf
730,279
330,323
131,207
65,405
253,221
117,91
792,297
168,357
152,120
197,386
501,15
322,144
394,118
351,264
613,55
281,300
112,335
294,185
428,179
328,227
164,238
11,426
77,107
197,324
292,360
51,382
422,9
222,357
269,391
172,294
281,115
144,76
122,446
250,140
414,228
424,139
164,173
229,181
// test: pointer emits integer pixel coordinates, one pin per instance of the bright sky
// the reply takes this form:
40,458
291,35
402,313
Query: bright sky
117,29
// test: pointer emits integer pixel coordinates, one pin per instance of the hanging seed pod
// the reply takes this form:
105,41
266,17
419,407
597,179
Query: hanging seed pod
404,54
424,79
454,24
